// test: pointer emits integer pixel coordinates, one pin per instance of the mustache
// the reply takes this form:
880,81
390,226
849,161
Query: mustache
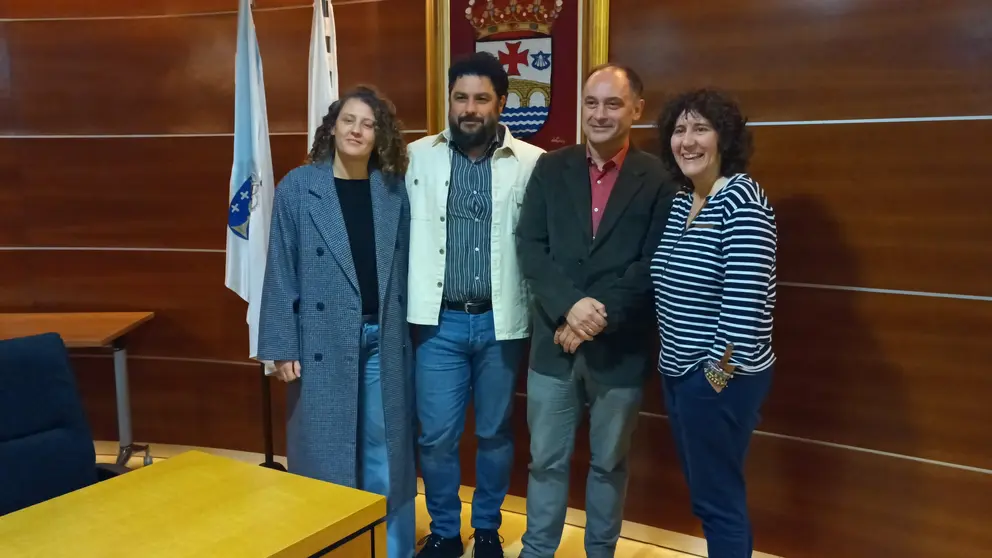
476,119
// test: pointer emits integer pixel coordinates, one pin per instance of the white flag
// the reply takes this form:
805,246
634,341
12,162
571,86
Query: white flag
323,83
252,185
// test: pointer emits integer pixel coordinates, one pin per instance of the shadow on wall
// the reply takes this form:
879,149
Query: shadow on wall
830,368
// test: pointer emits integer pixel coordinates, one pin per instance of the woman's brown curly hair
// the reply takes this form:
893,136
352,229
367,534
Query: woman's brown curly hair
389,154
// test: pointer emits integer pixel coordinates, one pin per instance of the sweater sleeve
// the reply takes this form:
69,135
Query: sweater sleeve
749,249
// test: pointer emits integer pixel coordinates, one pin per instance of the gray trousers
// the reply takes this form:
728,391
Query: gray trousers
554,410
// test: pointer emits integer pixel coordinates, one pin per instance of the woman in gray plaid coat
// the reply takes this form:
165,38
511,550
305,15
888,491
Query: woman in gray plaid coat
333,314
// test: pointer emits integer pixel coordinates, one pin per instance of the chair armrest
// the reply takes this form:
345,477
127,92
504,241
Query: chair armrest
106,471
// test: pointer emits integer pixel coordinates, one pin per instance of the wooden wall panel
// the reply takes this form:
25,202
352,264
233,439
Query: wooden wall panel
893,206
886,372
117,8
806,499
176,74
196,316
163,192
209,404
801,60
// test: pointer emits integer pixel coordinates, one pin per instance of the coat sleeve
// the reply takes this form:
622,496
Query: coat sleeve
630,294
279,331
554,291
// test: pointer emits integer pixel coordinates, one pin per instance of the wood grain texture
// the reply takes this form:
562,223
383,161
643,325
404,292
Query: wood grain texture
195,315
175,75
166,192
890,206
77,329
802,60
806,500
126,8
197,504
885,372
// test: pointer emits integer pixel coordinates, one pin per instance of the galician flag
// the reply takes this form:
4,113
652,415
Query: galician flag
323,80
252,186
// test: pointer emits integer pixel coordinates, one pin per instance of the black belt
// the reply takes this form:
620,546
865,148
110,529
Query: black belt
370,319
471,307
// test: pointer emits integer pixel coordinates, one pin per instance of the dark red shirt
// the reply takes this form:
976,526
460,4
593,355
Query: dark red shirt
602,182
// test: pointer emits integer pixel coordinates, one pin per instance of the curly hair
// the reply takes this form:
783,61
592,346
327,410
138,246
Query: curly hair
734,138
389,154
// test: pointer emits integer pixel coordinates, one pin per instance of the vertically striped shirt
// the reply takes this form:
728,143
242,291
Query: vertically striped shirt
714,281
467,268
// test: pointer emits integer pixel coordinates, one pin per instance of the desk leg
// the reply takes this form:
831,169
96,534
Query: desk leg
127,445
379,541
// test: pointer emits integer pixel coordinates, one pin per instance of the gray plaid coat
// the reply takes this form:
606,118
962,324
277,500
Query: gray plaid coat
311,312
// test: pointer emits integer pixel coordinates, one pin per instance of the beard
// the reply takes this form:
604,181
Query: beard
471,140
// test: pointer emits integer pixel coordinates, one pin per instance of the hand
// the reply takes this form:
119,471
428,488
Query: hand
587,318
287,370
567,338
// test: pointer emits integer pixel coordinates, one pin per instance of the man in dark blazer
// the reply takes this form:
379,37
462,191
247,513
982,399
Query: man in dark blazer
591,220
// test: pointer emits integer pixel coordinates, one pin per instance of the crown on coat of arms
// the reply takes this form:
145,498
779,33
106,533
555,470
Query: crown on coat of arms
512,16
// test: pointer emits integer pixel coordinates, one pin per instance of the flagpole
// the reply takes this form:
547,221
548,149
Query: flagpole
270,461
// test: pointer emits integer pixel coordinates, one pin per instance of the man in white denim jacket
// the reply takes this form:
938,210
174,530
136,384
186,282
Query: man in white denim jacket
469,299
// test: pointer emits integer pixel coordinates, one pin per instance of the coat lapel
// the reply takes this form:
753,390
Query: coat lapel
577,180
325,210
386,204
629,182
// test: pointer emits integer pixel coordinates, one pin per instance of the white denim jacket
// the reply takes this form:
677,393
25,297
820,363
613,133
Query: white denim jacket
427,179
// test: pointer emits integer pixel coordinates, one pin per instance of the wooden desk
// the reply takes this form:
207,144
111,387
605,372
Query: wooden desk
89,330
200,505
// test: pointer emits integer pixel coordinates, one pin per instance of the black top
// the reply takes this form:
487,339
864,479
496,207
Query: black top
356,206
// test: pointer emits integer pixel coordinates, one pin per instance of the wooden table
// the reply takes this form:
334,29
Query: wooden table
196,504
90,330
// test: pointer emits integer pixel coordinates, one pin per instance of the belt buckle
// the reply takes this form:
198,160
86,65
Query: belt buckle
473,307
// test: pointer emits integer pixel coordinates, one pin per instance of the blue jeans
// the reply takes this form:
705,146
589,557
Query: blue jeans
554,409
458,358
712,432
401,524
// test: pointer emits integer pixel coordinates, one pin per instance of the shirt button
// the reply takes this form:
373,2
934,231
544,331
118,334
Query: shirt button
441,250
320,251
596,209
439,284
442,218
599,182
320,306
414,180
318,357
476,248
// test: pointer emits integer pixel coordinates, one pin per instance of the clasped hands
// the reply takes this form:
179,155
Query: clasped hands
585,320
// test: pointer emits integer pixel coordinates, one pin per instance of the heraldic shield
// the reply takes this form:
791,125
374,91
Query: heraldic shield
518,33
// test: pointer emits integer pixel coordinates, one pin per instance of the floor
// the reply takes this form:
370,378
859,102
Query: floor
638,541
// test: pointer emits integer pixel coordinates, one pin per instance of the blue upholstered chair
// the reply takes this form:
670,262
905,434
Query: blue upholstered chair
46,449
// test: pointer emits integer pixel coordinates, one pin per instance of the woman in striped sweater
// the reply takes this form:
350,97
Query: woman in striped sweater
714,279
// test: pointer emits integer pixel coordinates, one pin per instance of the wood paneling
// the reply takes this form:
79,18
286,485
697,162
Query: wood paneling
886,372
167,192
206,404
176,74
195,315
806,500
122,8
803,60
891,206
